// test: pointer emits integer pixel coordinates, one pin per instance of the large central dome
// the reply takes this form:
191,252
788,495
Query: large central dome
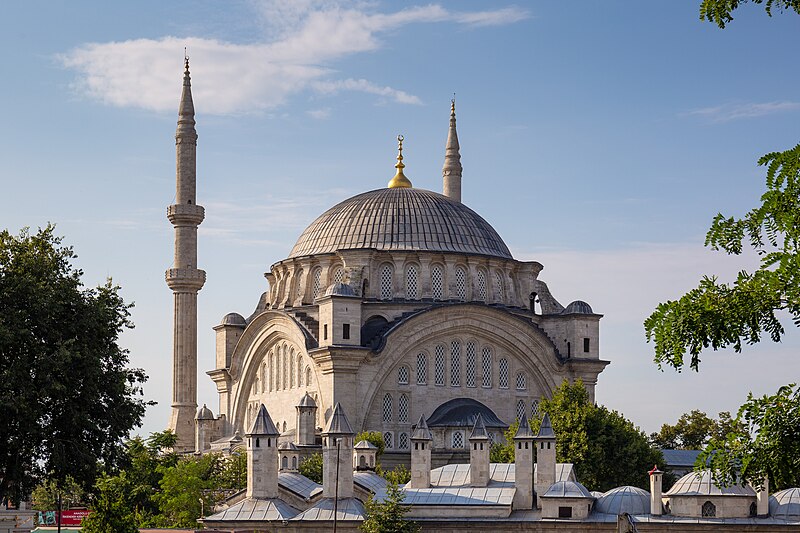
400,219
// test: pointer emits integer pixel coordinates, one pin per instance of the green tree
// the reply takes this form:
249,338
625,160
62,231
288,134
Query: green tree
389,515
503,452
111,512
399,475
312,467
719,11
606,448
764,444
183,488
45,495
373,437
69,398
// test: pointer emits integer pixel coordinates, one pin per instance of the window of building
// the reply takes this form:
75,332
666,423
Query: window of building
271,371
402,441
709,510
315,284
499,286
586,345
753,509
412,274
502,377
438,372
458,440
285,368
565,512
291,369
461,283
470,364
486,363
387,408
325,332
534,408
402,408
455,364
345,331
437,282
338,275
521,410
387,440
481,282
299,371
521,381
299,284
386,279
422,369
402,375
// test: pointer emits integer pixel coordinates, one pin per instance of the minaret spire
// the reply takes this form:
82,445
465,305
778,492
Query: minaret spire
451,172
400,180
184,278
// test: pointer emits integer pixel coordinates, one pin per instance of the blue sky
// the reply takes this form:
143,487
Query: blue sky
599,138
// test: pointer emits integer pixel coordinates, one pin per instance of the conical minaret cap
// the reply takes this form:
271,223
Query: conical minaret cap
186,107
524,431
262,424
452,154
421,432
546,429
479,430
338,423
399,181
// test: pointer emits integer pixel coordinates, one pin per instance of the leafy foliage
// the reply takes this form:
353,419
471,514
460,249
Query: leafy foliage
388,516
111,511
312,467
765,443
693,430
373,437
45,495
719,315
719,11
399,475
69,398
504,452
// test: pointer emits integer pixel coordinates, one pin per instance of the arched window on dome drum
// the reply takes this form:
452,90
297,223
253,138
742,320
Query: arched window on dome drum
386,279
402,408
338,275
521,411
461,283
300,290
387,407
470,364
521,381
412,275
316,282
481,285
438,372
486,363
387,440
502,377
458,440
422,369
402,375
499,286
437,282
455,364
402,441
709,510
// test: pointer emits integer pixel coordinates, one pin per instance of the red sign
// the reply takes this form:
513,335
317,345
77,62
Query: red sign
71,517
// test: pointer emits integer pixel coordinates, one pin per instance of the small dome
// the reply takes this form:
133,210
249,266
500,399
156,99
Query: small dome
785,504
307,401
233,319
567,489
288,446
631,500
204,413
578,307
702,484
340,289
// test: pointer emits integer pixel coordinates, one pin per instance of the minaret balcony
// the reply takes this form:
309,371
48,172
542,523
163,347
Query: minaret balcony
185,279
182,214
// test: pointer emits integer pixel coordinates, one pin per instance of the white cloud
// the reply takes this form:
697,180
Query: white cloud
308,36
735,111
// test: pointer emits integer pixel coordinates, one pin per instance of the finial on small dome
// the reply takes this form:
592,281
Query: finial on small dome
400,180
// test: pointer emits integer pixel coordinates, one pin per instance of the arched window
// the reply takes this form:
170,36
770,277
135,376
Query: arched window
461,283
284,426
521,410
316,283
481,285
386,279
294,463
281,360
753,509
264,376
458,440
387,408
422,369
534,408
499,286
412,275
455,364
521,381
308,376
299,371
402,441
285,356
362,461
437,282
502,378
438,372
271,371
486,363
299,284
284,462
402,408
338,275
402,375
387,440
709,510
470,364
291,368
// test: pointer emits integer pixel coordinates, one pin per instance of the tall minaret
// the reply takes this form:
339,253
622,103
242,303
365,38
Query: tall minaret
451,172
184,278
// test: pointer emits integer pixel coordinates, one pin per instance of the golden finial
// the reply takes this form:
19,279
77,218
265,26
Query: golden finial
400,180
453,104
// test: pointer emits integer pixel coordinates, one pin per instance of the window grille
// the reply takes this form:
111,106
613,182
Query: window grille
491,438
499,287
402,408
422,369
299,371
308,376
411,283
470,364
458,440
402,375
521,411
338,275
291,369
271,371
387,408
481,285
461,283
402,441
437,282
299,281
503,377
486,361
264,378
455,364
285,357
521,381
439,365
387,440
386,282
535,408
316,283
709,510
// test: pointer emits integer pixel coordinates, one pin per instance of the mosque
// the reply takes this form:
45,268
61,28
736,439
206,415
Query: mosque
401,310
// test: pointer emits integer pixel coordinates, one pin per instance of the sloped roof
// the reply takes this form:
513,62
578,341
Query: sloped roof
348,509
546,429
479,429
421,432
338,423
253,510
262,424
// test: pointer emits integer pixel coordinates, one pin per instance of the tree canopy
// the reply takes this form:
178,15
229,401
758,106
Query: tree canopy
388,516
693,430
720,11
68,396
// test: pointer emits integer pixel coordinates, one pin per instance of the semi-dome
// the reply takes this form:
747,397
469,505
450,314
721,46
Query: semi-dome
463,412
631,500
398,219
702,484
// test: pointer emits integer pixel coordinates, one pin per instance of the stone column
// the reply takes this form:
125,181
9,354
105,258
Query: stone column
655,491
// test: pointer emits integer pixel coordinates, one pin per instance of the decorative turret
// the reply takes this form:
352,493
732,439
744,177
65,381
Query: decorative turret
399,180
479,445
337,456
545,457
523,466
306,421
203,422
421,443
339,316
451,172
655,491
262,457
365,455
184,278
288,457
